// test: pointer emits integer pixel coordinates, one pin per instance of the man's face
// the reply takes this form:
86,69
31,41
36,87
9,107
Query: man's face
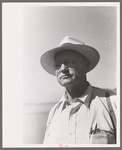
70,67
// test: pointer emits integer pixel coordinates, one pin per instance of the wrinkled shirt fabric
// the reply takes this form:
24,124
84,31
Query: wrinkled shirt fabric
72,123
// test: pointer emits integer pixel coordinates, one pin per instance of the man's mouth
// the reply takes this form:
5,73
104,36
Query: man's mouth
64,77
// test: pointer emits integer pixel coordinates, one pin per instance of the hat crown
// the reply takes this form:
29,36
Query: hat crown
70,40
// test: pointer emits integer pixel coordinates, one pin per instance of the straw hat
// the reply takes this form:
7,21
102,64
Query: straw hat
69,43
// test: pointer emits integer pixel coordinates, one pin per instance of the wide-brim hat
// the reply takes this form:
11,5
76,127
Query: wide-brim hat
69,43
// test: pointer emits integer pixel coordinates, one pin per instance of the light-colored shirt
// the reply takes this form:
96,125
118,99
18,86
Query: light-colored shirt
72,123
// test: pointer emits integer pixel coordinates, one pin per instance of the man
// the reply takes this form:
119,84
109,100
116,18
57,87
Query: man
85,114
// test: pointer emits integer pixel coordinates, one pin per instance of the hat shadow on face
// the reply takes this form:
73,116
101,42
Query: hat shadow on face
72,57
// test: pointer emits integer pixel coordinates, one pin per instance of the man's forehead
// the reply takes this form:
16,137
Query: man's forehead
69,54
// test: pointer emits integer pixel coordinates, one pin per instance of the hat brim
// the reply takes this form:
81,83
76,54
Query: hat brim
47,59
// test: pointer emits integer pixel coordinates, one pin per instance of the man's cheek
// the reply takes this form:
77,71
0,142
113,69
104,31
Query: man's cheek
73,73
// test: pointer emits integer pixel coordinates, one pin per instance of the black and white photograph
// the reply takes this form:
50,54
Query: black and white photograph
61,74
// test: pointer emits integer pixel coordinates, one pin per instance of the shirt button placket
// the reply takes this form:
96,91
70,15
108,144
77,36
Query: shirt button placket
72,128
73,131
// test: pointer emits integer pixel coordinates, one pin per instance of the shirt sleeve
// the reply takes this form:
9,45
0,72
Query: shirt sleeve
50,116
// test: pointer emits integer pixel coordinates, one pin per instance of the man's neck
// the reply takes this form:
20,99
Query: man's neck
76,91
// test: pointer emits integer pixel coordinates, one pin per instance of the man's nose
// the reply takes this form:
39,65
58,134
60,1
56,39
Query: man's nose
63,67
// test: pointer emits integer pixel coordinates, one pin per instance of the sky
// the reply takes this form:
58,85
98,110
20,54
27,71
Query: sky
29,30
45,27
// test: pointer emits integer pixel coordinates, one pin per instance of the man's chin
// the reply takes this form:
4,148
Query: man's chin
65,84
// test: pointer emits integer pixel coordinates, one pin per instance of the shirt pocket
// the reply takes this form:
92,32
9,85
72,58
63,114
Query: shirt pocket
102,137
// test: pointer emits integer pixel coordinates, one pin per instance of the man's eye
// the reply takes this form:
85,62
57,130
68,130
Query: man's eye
57,66
69,62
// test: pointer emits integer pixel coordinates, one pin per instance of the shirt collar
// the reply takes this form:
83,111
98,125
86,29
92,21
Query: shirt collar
85,98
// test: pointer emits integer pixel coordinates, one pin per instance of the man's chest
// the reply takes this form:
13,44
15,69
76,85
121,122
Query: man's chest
76,126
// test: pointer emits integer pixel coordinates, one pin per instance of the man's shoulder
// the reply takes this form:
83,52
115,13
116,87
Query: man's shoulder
101,92
56,105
